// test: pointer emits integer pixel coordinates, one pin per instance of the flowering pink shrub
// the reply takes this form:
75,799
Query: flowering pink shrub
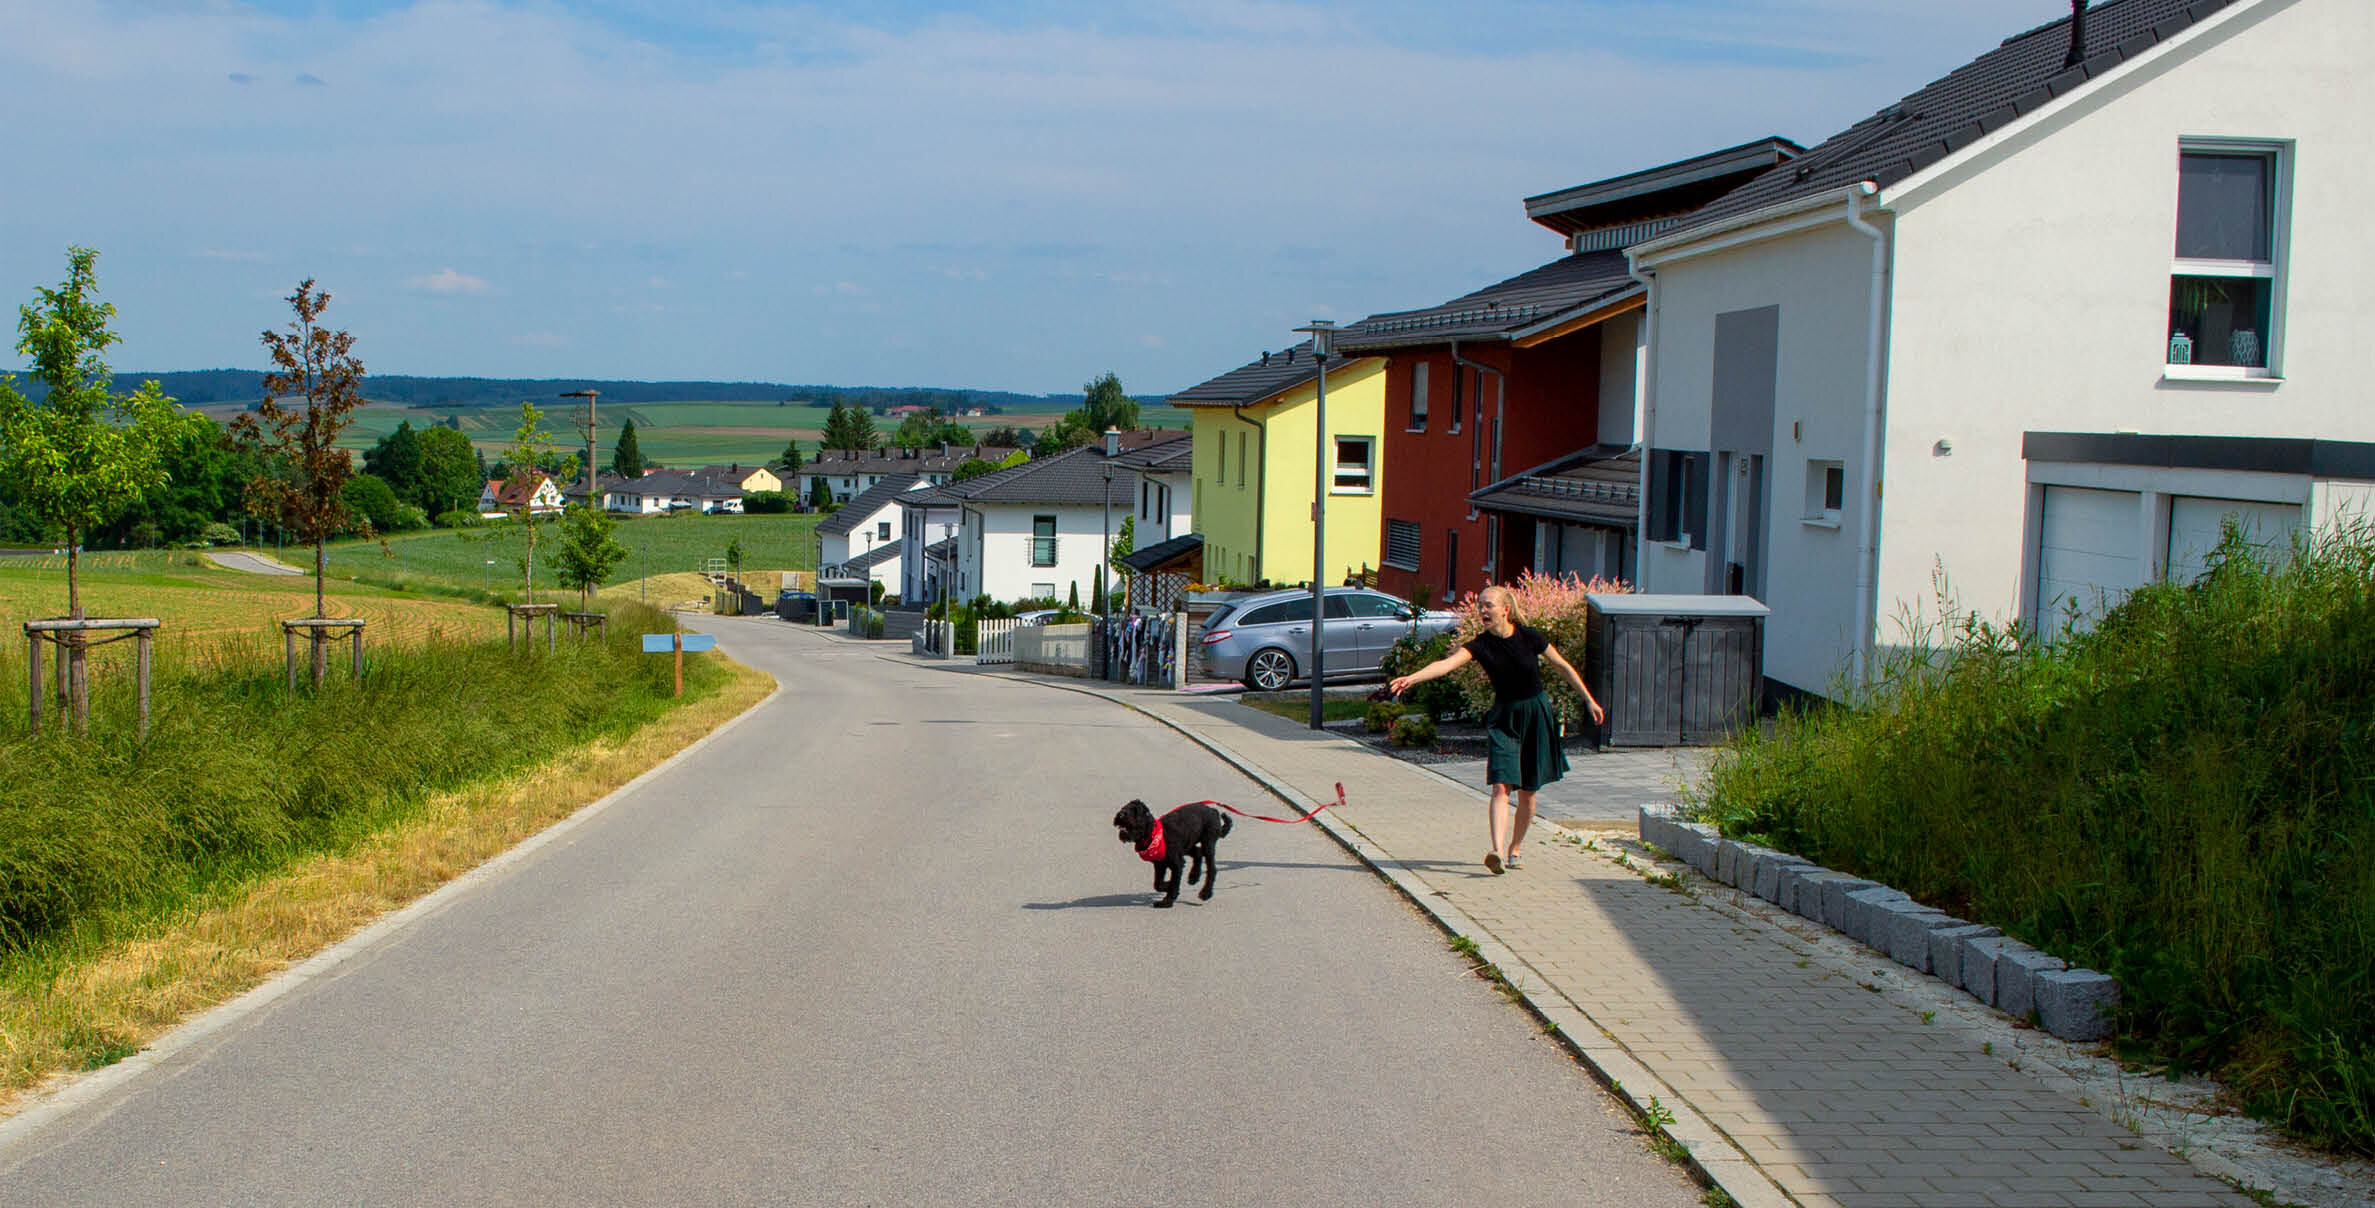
1553,604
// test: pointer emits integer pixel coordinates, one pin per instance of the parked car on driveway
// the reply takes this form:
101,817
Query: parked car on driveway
1265,640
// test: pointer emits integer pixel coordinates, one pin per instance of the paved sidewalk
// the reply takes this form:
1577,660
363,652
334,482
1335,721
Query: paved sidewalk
1789,1083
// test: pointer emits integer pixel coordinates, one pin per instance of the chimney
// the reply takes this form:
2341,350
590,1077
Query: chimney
1113,442
2077,53
944,450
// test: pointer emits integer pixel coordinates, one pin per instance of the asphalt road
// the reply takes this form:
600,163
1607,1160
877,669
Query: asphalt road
876,944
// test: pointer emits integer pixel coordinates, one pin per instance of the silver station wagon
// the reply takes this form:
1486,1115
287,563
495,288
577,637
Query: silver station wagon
1265,640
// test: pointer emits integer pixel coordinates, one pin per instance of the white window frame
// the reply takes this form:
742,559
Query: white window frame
2280,156
1365,469
1418,397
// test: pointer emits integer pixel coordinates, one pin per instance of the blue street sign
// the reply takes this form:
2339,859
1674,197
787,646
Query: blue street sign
658,643
694,642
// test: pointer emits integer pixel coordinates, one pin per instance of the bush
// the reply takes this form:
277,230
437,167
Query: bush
1382,714
1413,730
218,533
1437,697
459,519
2183,798
764,503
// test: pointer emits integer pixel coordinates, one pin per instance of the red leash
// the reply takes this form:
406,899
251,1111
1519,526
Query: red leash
1266,818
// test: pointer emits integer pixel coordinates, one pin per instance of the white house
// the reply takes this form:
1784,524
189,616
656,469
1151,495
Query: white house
2030,332
847,473
1163,483
1040,528
865,525
928,524
502,497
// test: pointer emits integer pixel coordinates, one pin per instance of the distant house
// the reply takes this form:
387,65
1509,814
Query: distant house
2073,305
865,524
503,497
846,472
749,478
666,491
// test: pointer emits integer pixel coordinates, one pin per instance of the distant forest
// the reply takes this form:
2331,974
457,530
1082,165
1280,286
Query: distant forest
210,387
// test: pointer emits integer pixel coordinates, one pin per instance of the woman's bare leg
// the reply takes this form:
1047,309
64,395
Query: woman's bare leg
1496,811
1524,819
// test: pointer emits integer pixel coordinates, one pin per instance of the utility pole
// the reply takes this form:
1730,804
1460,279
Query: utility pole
593,499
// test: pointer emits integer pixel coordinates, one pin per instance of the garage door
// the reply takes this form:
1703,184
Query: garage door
2088,554
2195,524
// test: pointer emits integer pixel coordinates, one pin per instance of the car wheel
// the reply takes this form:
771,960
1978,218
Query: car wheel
1269,670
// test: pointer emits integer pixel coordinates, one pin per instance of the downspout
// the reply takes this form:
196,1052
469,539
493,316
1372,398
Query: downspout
1492,553
1261,483
1868,483
1648,386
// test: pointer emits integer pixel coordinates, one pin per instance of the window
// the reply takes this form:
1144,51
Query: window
2224,280
1241,459
1223,475
1459,382
1418,397
1043,541
1678,497
1352,465
1146,500
1826,491
1401,544
1366,607
882,530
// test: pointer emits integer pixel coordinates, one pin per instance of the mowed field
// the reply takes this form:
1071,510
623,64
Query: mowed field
678,434
487,559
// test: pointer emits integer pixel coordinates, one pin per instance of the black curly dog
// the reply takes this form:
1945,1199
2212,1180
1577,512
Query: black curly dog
1191,831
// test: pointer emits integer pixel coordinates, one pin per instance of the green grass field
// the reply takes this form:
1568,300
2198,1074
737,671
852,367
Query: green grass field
458,558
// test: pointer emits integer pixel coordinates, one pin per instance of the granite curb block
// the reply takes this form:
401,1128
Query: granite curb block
2002,972
1713,1155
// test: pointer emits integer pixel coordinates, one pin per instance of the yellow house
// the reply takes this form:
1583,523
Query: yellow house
749,478
1257,463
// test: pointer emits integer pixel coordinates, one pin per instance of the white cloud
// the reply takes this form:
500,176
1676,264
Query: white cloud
447,281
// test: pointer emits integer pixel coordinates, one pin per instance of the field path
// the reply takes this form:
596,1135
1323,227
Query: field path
254,564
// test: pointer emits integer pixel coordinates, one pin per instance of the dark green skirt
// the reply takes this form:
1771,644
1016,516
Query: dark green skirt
1523,738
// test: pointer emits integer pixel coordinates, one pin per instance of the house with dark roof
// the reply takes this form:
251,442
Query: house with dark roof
1255,465
2027,335
846,472
865,524
1041,528
1539,368
507,497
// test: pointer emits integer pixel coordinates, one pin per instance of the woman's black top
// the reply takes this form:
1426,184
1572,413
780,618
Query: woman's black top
1513,663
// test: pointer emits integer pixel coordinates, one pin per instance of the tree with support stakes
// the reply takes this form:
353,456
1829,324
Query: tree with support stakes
303,485
589,553
82,456
531,446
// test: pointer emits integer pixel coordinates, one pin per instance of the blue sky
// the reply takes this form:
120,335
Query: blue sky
1015,196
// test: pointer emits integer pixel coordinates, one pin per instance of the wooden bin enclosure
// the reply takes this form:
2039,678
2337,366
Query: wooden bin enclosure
1674,670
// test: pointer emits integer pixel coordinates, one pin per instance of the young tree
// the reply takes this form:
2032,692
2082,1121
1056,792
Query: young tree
789,463
531,446
734,556
626,460
302,485
589,552
82,456
820,493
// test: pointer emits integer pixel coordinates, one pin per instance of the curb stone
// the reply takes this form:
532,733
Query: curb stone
1999,971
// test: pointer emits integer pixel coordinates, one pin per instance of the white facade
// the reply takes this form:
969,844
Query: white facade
2024,286
999,550
920,529
1163,506
872,531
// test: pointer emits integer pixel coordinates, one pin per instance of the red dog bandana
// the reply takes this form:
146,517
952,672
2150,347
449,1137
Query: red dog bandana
1155,848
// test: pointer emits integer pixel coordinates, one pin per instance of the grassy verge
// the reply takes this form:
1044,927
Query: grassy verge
140,884
2184,798
1330,709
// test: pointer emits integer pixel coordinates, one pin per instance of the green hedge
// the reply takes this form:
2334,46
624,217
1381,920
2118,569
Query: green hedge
2183,798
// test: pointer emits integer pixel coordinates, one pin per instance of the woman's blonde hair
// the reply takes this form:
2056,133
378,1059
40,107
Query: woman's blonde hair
1508,600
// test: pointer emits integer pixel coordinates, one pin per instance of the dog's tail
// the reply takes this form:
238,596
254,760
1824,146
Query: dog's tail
1226,825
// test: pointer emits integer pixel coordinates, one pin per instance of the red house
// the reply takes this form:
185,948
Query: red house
1511,411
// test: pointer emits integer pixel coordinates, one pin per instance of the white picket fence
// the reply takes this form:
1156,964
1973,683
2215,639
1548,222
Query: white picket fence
993,640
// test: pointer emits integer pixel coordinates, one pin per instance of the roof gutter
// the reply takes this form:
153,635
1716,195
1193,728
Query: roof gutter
1819,209
1868,480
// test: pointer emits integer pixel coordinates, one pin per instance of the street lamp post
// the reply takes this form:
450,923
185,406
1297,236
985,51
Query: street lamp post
1323,342
1105,551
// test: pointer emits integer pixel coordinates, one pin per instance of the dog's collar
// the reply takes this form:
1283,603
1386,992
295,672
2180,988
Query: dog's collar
1155,848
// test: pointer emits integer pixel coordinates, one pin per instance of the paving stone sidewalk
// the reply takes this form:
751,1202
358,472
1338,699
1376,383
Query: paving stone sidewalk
1789,1083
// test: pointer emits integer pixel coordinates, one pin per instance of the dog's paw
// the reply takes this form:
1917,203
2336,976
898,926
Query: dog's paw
1205,896
1161,903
